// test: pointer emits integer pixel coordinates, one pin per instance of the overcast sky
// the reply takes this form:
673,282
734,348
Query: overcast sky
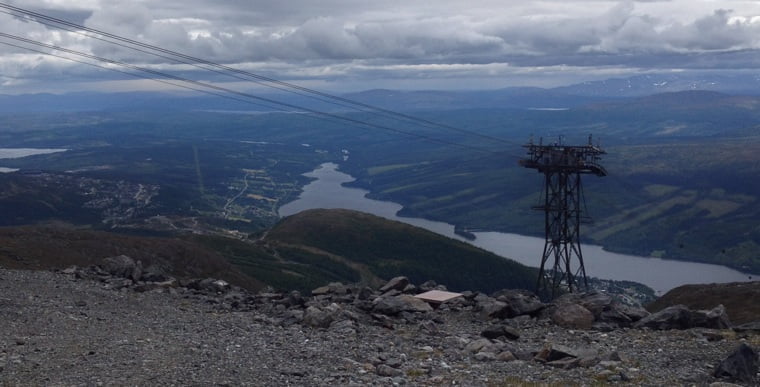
361,44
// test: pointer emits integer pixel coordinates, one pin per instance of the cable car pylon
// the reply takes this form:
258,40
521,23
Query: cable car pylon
562,166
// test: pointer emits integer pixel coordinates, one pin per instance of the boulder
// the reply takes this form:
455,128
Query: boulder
331,288
491,308
519,302
428,285
479,345
364,294
208,285
753,327
673,317
292,299
122,266
155,273
551,353
681,317
741,365
401,303
573,316
634,313
596,302
716,318
321,317
397,283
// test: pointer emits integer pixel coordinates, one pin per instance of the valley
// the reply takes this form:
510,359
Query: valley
680,186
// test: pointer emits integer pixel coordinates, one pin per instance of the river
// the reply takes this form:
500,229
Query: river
327,191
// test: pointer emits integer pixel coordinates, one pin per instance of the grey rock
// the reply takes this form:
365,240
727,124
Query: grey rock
565,363
148,286
476,346
506,356
409,289
673,317
748,327
155,273
573,316
716,318
364,294
293,299
496,331
596,303
741,365
122,266
70,270
319,317
388,371
336,288
519,302
118,283
402,303
554,352
491,308
635,313
428,285
485,356
292,317
396,283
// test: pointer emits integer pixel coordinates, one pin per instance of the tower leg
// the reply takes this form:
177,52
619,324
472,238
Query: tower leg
562,230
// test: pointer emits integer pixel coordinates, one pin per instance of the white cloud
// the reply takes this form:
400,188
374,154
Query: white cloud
336,40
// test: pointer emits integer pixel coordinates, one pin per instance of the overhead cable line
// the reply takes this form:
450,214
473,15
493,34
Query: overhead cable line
138,75
204,86
237,73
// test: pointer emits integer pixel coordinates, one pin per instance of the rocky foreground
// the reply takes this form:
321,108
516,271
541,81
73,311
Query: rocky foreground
119,325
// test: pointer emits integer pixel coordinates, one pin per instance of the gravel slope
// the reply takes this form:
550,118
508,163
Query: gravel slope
58,330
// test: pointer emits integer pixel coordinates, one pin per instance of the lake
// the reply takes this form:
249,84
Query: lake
327,191
15,153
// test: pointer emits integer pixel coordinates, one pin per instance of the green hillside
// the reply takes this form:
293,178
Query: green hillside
389,248
302,252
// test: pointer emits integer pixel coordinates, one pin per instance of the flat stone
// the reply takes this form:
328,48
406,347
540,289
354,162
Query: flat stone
438,296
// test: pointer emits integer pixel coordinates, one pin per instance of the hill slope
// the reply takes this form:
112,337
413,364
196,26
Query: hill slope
739,298
302,252
388,248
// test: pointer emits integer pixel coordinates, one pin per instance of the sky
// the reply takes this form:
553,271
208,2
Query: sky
352,45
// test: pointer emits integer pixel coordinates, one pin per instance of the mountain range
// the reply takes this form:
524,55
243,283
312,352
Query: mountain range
507,98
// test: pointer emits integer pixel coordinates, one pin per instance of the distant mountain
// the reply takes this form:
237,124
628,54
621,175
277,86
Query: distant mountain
131,101
685,100
512,98
403,100
641,85
676,114
509,98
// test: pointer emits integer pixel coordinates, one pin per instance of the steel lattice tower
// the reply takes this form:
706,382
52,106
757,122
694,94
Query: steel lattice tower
562,166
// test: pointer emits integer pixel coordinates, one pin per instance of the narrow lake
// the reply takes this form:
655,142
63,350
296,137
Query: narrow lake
327,191
14,153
